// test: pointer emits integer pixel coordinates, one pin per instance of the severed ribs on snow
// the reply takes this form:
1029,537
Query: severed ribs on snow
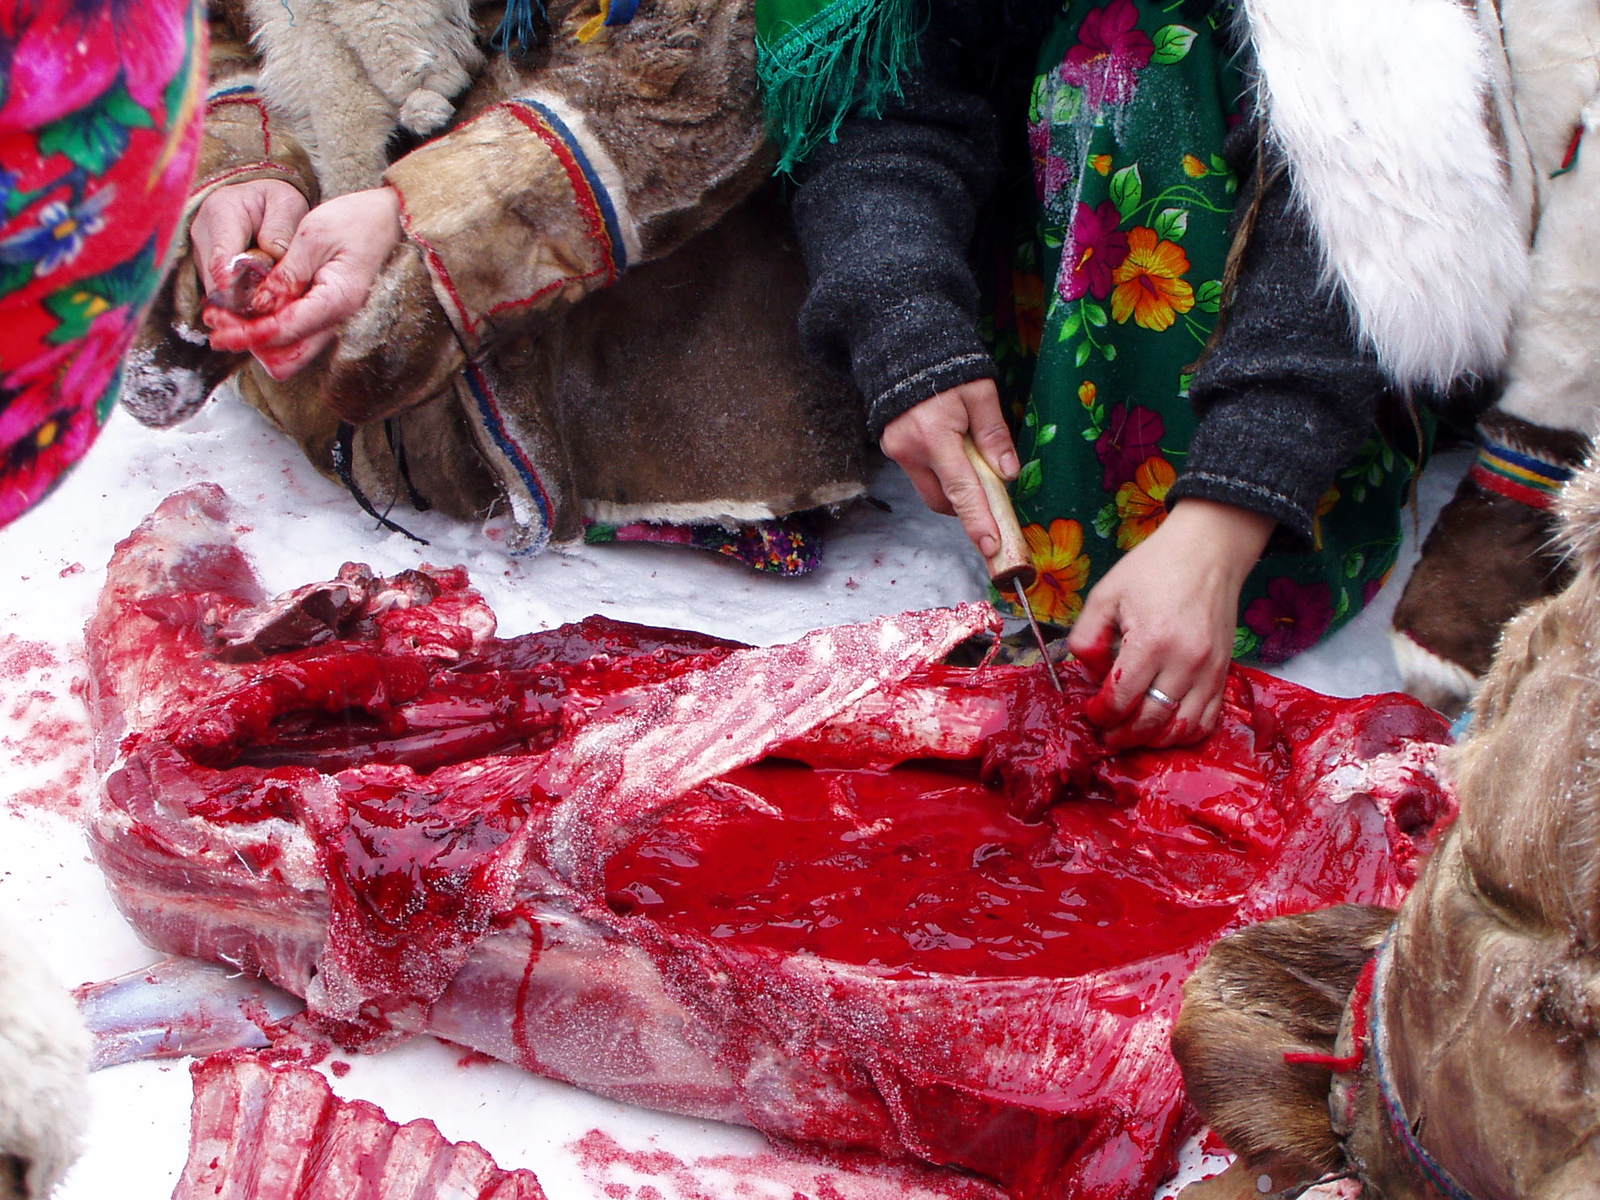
831,889
260,1132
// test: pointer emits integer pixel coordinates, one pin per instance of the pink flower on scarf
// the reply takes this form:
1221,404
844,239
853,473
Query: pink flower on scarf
1290,618
1132,434
1110,52
1098,249
63,54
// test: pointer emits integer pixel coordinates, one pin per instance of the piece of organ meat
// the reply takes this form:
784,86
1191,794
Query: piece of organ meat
262,1132
833,890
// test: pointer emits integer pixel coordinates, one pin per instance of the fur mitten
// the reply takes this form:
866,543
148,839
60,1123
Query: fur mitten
1489,554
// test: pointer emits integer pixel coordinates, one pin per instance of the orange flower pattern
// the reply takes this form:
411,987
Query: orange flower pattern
1131,243
1057,594
1142,502
1150,286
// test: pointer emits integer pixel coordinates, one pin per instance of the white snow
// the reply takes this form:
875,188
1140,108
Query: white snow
52,563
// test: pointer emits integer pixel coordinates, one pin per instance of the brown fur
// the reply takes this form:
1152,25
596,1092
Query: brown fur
679,394
1271,989
1492,1009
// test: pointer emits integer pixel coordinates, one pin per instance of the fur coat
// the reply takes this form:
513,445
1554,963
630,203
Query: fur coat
1397,121
592,314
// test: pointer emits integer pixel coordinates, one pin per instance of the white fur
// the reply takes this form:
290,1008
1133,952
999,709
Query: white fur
735,512
1554,378
44,1057
1436,681
1379,107
346,73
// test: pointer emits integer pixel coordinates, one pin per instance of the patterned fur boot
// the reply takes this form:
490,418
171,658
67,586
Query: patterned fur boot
1488,555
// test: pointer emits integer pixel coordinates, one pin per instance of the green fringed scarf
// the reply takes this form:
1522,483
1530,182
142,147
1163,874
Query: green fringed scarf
819,61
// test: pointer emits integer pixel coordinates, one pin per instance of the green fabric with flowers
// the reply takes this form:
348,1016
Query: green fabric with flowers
1116,290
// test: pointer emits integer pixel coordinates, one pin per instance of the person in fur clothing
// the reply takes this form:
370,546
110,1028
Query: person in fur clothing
1212,422
551,279
1495,547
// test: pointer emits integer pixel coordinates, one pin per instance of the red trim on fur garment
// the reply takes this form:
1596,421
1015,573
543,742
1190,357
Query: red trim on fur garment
435,263
276,168
1360,1001
256,102
1511,490
583,196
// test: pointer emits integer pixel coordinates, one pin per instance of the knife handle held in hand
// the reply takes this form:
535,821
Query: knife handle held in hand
1010,564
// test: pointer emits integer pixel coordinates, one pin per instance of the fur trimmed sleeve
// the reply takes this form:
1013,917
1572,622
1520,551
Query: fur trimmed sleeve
606,155
615,152
242,141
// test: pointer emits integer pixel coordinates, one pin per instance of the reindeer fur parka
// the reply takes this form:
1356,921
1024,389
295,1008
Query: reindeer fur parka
492,364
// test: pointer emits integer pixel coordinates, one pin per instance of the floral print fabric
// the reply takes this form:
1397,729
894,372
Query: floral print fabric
784,546
99,129
1116,290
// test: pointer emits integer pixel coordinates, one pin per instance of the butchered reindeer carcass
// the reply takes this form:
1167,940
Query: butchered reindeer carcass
1450,1049
836,890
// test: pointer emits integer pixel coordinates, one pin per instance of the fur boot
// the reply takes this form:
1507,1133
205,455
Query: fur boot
1489,554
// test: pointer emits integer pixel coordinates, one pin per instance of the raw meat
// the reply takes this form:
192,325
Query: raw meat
787,887
260,1132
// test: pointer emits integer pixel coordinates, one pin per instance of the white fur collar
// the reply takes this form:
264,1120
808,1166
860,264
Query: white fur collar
1380,108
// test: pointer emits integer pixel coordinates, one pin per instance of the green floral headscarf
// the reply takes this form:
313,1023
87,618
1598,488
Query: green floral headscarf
821,60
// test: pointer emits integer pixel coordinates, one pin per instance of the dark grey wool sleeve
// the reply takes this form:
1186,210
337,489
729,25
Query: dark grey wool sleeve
1286,394
884,217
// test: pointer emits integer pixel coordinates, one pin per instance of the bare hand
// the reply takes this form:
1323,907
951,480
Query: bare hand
926,442
321,282
242,216
1173,602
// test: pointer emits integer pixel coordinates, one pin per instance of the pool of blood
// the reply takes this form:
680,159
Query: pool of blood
924,869
914,870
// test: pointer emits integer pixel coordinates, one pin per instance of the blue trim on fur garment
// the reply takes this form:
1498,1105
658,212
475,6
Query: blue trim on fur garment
620,12
493,423
602,198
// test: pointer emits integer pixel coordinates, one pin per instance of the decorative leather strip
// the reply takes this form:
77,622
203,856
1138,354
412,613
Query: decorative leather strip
594,201
612,12
1517,474
493,423
1360,1004
1432,1170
